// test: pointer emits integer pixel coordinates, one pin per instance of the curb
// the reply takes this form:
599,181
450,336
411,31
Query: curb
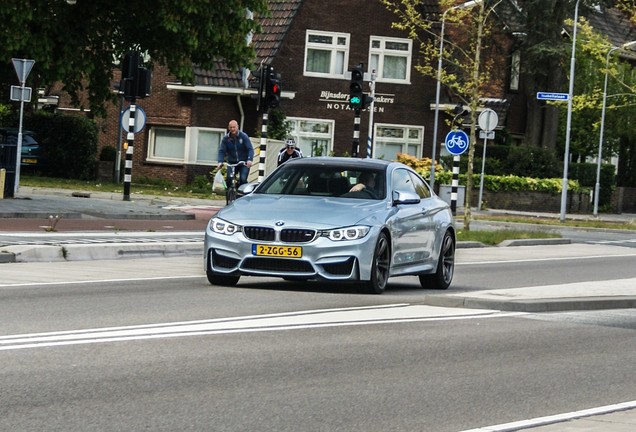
6,257
532,305
93,252
116,250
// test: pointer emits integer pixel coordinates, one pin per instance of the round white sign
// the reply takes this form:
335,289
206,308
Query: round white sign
488,120
140,119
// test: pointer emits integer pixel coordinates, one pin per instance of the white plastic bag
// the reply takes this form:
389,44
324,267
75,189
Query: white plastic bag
219,186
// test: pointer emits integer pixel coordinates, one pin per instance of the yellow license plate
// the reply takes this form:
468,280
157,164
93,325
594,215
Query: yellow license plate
277,251
29,161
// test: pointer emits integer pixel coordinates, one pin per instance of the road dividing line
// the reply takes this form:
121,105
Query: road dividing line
386,314
558,418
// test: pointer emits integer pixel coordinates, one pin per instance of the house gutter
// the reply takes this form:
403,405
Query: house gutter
225,91
222,91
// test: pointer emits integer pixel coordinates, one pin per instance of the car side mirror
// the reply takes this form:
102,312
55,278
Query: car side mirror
400,197
247,188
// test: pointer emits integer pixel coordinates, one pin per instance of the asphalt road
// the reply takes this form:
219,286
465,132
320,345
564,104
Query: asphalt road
149,345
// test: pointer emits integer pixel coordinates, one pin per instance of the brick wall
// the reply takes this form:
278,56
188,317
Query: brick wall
532,201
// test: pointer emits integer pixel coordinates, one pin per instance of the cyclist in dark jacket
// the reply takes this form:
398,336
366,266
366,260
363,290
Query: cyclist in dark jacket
236,146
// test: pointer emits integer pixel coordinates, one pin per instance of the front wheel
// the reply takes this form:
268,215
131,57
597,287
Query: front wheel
230,195
380,265
222,280
443,276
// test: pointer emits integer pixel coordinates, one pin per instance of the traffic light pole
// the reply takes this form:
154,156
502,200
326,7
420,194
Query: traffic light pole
263,149
355,146
371,108
130,141
454,185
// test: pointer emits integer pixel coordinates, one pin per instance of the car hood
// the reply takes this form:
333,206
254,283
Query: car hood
304,212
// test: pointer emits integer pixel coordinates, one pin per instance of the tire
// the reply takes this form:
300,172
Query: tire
443,275
230,195
222,280
380,265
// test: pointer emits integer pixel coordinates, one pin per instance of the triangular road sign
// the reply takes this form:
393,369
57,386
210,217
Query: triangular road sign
22,68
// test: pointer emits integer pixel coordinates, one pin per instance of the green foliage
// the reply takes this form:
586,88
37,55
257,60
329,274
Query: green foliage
626,162
524,161
200,184
532,161
277,125
497,183
77,44
497,236
585,174
69,143
153,181
5,115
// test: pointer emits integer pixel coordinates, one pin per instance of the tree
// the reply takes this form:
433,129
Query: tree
468,56
594,52
80,44
544,53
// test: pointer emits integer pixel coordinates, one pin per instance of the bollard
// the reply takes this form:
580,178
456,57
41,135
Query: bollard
3,174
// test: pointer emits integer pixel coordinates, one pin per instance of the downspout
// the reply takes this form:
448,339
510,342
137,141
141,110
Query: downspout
245,72
240,107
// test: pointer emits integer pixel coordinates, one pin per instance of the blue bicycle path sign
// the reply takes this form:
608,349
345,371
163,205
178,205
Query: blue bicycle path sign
456,142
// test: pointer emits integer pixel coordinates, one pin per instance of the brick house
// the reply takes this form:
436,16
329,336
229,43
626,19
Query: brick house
312,44
313,49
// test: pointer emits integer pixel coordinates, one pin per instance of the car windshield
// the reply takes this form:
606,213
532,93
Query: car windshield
330,181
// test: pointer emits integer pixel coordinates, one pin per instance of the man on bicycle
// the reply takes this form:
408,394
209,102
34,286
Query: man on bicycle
237,147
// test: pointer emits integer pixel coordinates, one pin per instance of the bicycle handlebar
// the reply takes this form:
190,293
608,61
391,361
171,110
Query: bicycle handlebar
232,165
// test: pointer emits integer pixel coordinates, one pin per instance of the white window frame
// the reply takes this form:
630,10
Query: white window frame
405,140
190,145
333,48
383,52
515,70
302,136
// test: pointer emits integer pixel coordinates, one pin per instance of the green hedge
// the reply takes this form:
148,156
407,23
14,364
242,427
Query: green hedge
69,143
510,183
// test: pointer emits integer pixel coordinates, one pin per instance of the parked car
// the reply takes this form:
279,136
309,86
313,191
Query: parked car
31,151
312,219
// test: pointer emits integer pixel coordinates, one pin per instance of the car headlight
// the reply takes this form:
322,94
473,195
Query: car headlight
221,226
347,233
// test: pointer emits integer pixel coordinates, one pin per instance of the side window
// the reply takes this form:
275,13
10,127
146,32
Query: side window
326,54
167,144
401,181
391,58
420,186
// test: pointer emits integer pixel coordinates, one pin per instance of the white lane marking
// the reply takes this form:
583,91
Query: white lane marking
589,289
524,260
93,281
558,418
395,313
106,234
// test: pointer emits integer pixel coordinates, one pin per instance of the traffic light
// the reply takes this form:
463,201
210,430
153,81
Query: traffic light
272,89
356,95
135,79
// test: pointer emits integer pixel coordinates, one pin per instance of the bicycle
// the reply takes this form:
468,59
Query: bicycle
457,141
231,192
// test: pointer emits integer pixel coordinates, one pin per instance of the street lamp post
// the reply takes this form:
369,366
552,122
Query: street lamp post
597,186
566,156
468,4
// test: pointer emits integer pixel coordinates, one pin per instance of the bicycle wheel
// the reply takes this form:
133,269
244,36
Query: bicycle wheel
230,195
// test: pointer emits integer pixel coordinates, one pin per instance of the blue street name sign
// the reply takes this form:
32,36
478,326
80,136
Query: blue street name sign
456,142
553,96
